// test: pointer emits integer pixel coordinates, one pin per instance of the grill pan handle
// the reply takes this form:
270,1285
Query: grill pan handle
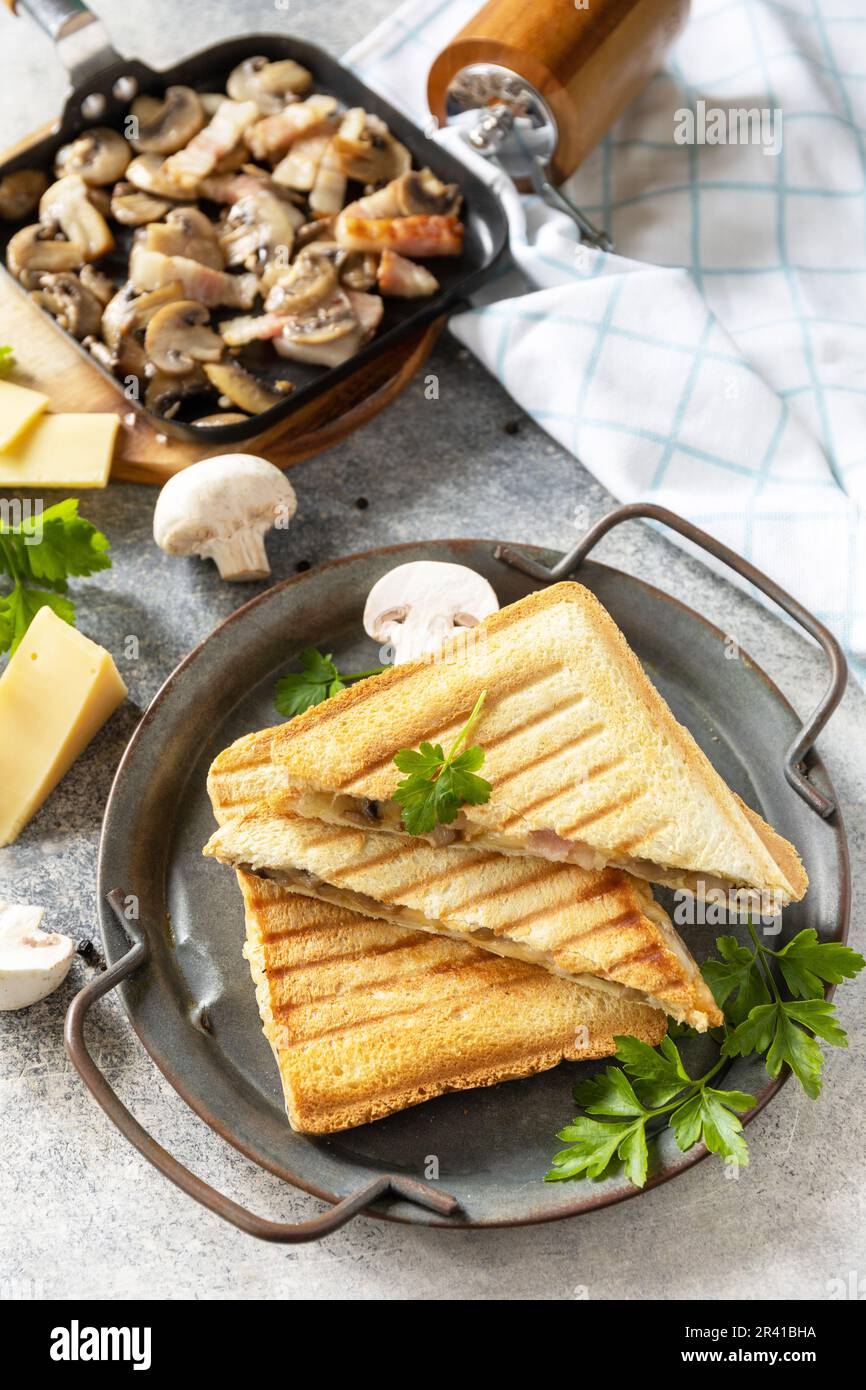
793,764
79,37
284,1233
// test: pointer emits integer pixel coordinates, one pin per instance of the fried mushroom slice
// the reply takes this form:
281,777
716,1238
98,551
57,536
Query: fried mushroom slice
257,228
367,150
129,312
20,193
99,155
98,284
269,85
166,394
66,205
147,173
71,303
167,125
178,336
186,232
134,208
308,282
240,387
34,248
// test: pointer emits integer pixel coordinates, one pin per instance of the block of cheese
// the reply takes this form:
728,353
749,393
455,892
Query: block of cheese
61,451
19,407
56,692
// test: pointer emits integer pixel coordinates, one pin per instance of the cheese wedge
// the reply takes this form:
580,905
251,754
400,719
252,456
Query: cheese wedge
56,693
62,451
19,407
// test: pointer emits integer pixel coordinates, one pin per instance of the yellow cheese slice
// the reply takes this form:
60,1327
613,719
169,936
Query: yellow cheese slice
56,692
19,407
62,451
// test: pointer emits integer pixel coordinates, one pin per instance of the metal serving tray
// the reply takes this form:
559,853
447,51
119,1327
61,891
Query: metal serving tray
187,990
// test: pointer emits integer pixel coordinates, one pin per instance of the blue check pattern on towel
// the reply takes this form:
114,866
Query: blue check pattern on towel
716,363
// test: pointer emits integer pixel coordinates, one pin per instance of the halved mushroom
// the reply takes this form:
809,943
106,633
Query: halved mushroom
148,173
418,606
268,84
320,229
71,303
367,150
307,282
327,336
186,232
240,387
98,284
259,227
272,136
166,394
134,208
66,205
20,193
204,151
167,125
99,155
34,249
130,312
177,337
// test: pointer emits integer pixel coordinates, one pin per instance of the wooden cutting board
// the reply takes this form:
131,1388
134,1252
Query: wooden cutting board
48,362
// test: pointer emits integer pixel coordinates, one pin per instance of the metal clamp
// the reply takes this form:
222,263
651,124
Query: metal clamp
793,765
283,1233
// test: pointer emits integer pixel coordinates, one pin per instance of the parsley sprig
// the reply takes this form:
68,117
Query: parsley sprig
659,1087
439,783
39,556
317,682
7,360
653,1087
744,983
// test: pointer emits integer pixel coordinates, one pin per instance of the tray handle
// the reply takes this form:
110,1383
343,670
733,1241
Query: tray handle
793,764
284,1233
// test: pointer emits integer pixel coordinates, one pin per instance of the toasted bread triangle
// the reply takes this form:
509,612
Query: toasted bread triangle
365,1018
602,930
585,759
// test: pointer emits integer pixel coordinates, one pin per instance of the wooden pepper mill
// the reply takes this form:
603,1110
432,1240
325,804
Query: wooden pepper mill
556,72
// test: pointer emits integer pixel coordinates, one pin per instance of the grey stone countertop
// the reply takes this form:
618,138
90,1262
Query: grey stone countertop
81,1214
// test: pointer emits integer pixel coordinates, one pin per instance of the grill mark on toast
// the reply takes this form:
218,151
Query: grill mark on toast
571,740
628,846
465,863
630,918
534,721
377,861
538,875
481,966
600,812
440,735
419,940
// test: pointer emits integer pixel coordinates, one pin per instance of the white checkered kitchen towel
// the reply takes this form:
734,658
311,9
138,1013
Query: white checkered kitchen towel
721,369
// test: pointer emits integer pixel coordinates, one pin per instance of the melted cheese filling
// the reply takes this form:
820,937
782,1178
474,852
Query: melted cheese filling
362,813
302,881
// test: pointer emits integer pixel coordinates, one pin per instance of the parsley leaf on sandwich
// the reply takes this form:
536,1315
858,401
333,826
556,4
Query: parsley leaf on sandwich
7,360
437,783
316,682
39,556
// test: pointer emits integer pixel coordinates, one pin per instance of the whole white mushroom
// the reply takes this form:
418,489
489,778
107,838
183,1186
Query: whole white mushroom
221,509
32,962
418,606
